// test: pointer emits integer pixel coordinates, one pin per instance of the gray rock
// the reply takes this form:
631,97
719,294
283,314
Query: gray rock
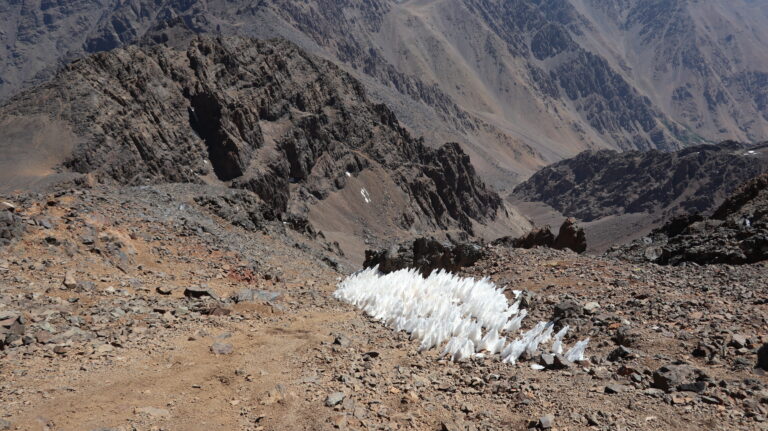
197,292
567,309
739,341
250,295
341,340
69,279
620,352
711,400
561,363
616,389
5,425
334,399
653,253
219,348
547,360
153,412
591,307
547,421
669,377
692,387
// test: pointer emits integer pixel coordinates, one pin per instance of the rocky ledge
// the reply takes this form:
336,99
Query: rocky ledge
737,233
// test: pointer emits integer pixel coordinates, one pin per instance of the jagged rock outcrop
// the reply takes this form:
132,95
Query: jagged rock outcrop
737,233
11,225
570,236
537,237
606,183
426,255
260,116
551,78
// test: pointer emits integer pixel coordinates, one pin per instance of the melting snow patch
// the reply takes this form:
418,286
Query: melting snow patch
366,196
464,315
348,174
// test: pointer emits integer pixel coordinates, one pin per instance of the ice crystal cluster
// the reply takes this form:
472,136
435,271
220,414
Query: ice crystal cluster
464,316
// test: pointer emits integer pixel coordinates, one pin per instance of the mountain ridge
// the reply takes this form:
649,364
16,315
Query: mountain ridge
261,116
518,84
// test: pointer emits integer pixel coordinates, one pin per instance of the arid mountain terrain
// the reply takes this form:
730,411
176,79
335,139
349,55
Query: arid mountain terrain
135,308
623,196
189,190
295,138
518,84
737,233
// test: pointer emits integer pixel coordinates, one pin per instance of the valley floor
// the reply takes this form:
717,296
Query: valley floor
120,301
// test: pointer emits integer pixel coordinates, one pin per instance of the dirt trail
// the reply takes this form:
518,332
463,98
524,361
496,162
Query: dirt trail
199,390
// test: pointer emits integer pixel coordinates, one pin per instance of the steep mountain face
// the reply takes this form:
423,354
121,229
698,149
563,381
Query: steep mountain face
737,233
265,117
700,62
518,84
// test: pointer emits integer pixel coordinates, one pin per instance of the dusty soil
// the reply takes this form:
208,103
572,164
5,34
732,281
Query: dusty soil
121,347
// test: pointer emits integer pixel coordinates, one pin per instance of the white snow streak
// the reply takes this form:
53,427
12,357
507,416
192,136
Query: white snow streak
366,196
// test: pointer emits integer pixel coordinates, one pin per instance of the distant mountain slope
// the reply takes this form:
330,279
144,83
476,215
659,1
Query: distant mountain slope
603,183
265,117
622,196
703,63
518,83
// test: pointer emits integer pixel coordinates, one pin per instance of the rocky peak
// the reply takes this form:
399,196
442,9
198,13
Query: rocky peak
262,116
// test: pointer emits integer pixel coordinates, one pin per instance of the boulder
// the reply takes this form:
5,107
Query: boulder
426,255
669,377
570,236
762,357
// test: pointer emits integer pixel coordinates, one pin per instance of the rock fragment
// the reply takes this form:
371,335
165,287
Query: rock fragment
547,421
69,279
197,292
219,348
669,377
334,399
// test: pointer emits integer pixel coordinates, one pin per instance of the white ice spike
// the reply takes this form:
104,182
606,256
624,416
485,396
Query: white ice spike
464,315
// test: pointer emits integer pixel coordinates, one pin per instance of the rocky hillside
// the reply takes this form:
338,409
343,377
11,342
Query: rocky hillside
598,184
294,132
737,233
154,313
694,60
621,197
518,83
